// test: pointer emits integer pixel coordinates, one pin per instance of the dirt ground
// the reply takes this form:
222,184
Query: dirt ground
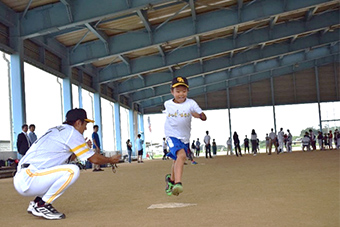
297,189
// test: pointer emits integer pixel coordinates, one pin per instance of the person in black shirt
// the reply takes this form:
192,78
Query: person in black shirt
246,145
237,144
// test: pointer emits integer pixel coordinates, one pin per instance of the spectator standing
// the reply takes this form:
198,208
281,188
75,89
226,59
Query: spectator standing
165,149
330,139
246,145
312,139
306,142
198,148
336,133
140,143
214,147
23,142
96,146
289,141
272,141
237,144
31,135
253,139
320,140
207,145
280,138
229,147
325,141
193,147
267,143
337,140
129,149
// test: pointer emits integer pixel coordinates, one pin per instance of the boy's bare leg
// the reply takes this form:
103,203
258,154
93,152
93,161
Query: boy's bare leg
172,178
178,166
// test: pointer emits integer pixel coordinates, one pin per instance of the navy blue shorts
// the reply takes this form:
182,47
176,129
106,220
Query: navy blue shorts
176,145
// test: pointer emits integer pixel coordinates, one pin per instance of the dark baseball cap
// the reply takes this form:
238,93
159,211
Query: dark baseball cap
77,114
177,81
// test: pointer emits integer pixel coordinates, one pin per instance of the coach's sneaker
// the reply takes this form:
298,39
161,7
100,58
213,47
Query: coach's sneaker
177,188
47,211
169,184
31,204
30,207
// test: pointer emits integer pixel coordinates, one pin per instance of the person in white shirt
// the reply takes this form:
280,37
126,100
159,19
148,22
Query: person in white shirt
280,137
267,143
45,172
306,142
207,145
179,112
312,139
229,146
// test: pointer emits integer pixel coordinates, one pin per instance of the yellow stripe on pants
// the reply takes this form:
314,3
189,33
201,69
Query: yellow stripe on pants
28,171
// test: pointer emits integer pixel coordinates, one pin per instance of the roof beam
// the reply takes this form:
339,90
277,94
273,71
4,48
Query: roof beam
7,16
100,34
33,24
239,77
182,28
26,8
209,49
242,60
171,17
126,61
193,14
311,12
68,9
144,18
239,9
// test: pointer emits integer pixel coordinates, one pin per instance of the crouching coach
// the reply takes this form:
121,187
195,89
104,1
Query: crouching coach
44,172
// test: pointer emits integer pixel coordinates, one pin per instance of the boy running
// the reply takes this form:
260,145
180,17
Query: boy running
177,129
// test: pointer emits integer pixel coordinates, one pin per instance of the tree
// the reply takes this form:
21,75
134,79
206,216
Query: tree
324,130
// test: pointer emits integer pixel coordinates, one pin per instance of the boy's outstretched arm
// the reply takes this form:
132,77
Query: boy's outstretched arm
201,116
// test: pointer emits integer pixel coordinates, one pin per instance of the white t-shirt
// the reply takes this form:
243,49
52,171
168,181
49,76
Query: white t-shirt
280,135
272,135
165,146
55,147
178,118
207,139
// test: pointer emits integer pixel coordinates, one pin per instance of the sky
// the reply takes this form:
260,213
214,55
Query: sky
44,109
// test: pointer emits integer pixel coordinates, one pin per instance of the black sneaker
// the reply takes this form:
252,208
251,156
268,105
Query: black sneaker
47,211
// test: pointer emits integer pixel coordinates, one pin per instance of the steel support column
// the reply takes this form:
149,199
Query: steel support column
67,96
97,105
67,88
117,127
141,129
80,96
273,101
131,130
18,89
229,116
316,71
